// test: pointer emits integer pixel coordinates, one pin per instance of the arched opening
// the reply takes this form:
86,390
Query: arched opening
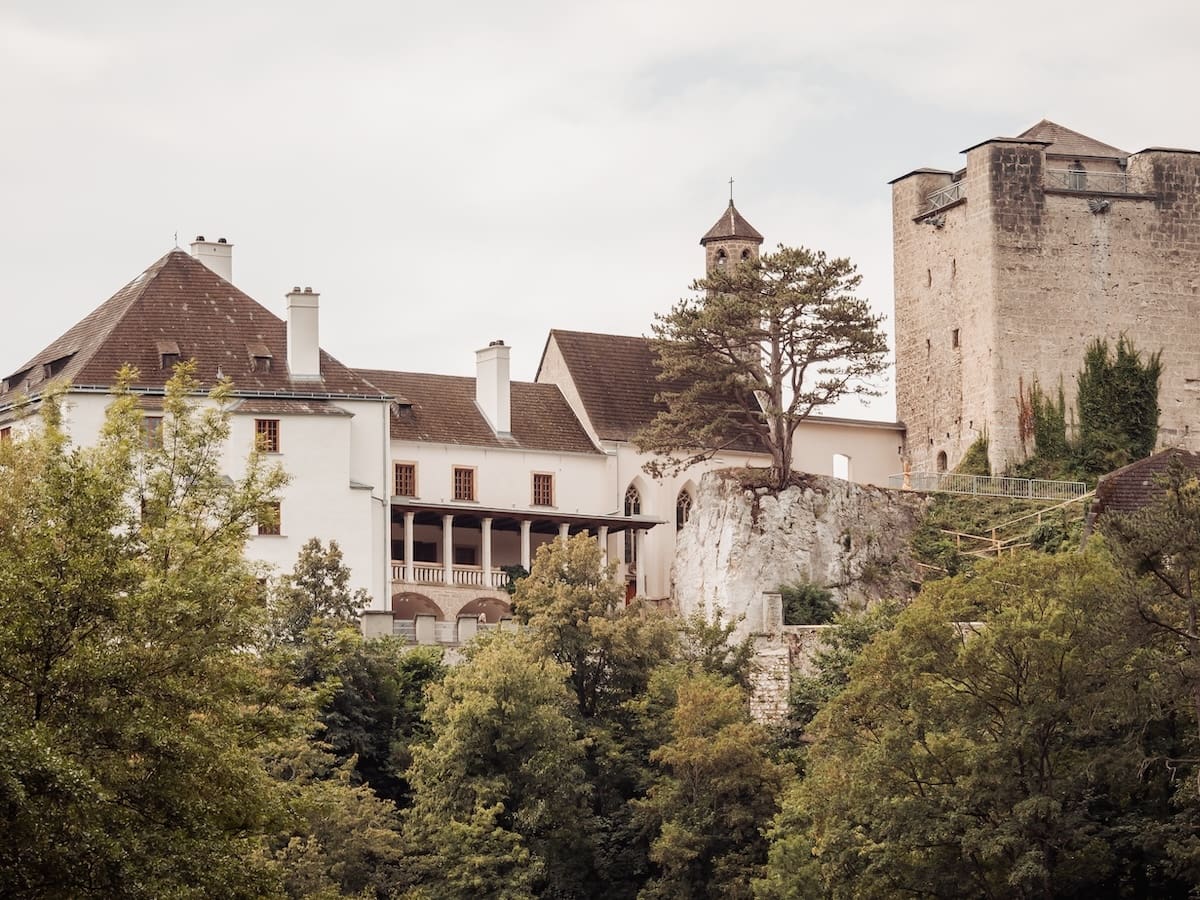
721,259
841,466
489,609
746,254
941,461
633,507
408,606
683,508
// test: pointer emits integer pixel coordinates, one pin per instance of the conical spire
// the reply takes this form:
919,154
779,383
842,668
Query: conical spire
732,225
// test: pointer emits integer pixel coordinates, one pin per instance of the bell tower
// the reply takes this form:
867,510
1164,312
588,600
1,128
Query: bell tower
730,241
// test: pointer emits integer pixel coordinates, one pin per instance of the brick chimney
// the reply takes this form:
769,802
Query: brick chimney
492,391
303,349
217,255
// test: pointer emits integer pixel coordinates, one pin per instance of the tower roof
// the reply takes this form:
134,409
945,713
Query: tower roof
732,225
1065,142
180,307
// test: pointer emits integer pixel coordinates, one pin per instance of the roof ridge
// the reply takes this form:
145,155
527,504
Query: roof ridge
143,280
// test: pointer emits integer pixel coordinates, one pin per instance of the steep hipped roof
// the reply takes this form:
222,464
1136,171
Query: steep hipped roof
732,225
179,305
442,409
1136,485
1065,142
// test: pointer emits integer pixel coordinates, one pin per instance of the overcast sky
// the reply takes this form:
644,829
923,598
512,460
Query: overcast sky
448,173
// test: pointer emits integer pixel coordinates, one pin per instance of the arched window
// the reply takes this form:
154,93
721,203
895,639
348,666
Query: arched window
941,461
746,254
721,258
633,507
683,508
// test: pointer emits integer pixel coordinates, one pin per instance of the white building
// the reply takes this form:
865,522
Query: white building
433,485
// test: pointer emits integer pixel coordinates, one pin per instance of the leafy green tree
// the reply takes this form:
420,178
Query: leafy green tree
131,712
1158,548
763,343
716,789
576,613
840,647
1005,759
315,594
709,646
500,806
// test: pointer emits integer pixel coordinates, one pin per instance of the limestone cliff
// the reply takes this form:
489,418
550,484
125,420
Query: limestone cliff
743,541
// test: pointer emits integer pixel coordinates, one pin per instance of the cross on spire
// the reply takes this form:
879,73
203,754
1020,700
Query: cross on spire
730,188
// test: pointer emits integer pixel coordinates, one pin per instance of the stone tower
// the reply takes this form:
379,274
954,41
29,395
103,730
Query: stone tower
731,240
1006,269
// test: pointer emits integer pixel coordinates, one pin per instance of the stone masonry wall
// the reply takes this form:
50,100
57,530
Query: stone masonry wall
943,342
1029,276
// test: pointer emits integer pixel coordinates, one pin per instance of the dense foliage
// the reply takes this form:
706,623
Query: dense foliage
1117,407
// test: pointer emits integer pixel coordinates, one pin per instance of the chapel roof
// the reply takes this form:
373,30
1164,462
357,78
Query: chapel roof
179,306
617,379
441,409
1065,142
732,225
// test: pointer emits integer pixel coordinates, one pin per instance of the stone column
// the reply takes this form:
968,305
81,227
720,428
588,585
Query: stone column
410,522
525,526
602,540
486,551
448,549
640,538
564,532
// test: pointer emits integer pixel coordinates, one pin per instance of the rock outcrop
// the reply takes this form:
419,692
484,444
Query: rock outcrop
742,541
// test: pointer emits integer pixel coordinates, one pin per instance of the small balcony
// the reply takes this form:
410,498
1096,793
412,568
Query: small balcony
943,197
1091,182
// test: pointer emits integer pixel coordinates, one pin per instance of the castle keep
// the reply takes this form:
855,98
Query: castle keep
1006,269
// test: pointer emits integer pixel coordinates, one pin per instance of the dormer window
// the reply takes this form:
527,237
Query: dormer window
260,357
52,368
168,354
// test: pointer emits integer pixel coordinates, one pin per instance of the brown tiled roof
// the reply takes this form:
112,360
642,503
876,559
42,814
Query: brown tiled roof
179,303
617,379
1136,485
442,409
1065,142
732,225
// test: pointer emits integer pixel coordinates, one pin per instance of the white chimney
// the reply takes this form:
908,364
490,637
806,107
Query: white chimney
303,348
492,386
217,255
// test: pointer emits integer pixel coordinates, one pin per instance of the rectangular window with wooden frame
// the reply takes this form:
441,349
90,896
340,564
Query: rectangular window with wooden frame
266,435
405,479
464,483
269,521
543,489
5,434
152,435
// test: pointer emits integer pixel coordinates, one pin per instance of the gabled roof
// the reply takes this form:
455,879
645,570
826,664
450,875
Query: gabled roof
732,225
1065,142
1136,485
617,380
441,409
180,305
